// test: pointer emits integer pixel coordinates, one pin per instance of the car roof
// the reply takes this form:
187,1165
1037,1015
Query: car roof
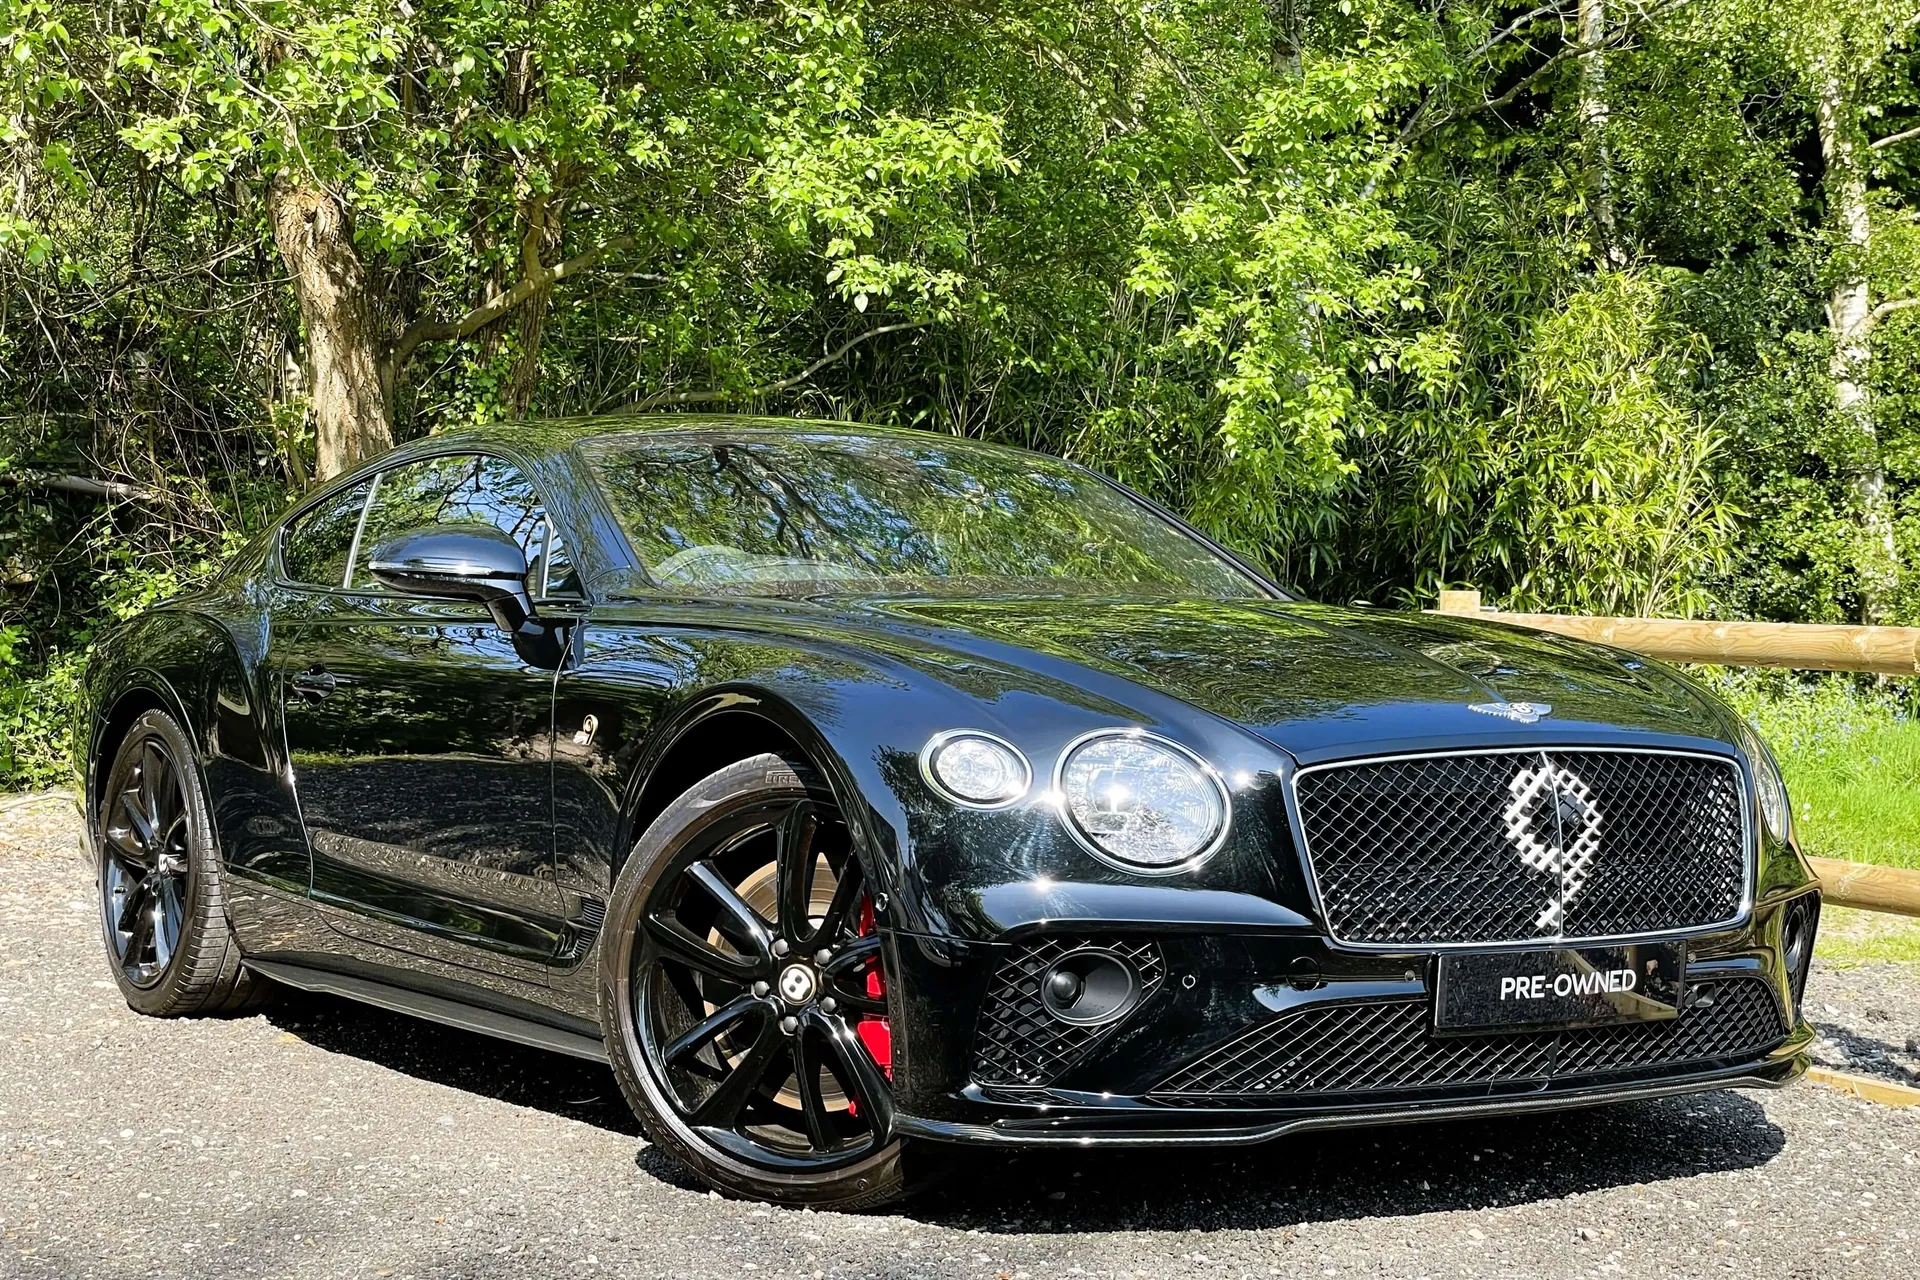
556,434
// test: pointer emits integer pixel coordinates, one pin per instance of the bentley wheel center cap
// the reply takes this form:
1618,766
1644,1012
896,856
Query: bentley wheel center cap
796,984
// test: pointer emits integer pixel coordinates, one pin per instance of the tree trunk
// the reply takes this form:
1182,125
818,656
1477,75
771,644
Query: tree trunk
543,232
343,369
1850,320
542,214
1593,127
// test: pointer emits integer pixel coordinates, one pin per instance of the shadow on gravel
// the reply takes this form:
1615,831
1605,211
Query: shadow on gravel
509,1073
1385,1172
1869,1054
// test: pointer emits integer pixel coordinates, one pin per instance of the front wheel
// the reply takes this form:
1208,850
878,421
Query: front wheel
744,994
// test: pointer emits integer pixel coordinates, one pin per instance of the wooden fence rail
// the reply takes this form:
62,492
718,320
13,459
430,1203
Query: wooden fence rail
1870,888
1806,646
1810,646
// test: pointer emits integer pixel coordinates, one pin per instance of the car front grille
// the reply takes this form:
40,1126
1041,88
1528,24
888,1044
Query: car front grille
1387,1047
1018,1042
1434,850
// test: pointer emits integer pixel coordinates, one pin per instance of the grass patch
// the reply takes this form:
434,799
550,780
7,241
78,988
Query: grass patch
1851,756
1867,937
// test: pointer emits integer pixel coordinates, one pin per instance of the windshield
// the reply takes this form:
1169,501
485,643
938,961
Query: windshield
781,513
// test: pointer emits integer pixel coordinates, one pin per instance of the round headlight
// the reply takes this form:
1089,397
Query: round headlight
975,769
1146,801
1772,789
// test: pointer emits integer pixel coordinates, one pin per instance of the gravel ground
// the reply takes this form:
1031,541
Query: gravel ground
323,1139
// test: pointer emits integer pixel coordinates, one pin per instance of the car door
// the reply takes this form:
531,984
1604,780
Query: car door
419,739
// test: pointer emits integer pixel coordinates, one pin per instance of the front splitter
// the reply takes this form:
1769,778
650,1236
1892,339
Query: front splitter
1076,1131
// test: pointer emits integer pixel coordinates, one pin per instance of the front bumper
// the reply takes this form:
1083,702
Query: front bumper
1242,1129
1242,1038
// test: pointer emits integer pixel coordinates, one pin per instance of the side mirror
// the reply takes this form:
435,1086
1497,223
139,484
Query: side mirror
460,562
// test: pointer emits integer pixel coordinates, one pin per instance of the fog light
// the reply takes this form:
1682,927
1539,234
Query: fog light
1089,988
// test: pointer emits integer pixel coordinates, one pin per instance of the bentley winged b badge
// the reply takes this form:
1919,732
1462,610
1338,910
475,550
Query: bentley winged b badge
1524,712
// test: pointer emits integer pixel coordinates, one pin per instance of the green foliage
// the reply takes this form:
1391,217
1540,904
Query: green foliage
1332,277
1850,753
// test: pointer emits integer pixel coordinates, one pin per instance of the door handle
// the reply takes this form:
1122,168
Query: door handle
315,682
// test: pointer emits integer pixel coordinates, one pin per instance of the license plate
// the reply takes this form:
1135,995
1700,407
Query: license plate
1564,987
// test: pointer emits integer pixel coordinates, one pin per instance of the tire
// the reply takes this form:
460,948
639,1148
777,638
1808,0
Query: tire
816,1155
163,915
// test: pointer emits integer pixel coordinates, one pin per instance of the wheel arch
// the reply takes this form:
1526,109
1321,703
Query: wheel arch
138,691
723,727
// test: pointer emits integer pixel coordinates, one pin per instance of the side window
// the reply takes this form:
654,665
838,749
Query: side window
462,488
315,547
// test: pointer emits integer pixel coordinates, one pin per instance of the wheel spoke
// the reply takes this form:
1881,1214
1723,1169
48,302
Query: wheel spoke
858,1075
846,896
168,809
165,924
125,842
141,836
724,1104
738,921
676,942
813,1105
692,997
718,1023
851,961
794,858
861,1002
138,896
153,771
141,926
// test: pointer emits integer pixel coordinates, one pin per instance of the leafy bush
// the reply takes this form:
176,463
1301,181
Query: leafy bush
36,721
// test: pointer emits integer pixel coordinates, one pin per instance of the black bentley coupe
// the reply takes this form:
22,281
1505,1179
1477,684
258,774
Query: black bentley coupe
854,791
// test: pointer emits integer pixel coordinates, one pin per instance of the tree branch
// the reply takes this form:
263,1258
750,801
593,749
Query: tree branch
423,331
1881,144
86,486
1618,36
1885,309
770,388
1555,9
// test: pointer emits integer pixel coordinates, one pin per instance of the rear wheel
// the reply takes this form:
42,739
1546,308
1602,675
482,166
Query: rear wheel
744,994
162,915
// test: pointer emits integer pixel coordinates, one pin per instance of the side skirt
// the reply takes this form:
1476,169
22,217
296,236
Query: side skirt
418,1004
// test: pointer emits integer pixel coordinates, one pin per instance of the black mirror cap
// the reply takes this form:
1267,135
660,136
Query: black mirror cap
459,562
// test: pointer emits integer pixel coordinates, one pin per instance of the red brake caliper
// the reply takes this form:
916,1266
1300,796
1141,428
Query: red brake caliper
876,1033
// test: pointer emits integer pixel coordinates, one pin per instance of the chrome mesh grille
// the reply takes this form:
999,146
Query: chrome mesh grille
1387,1047
1017,1042
1418,851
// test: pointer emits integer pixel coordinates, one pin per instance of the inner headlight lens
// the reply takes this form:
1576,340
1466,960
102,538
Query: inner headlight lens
1142,799
976,769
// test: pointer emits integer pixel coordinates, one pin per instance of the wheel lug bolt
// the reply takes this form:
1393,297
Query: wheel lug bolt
829,1004
789,1024
822,957
780,947
761,988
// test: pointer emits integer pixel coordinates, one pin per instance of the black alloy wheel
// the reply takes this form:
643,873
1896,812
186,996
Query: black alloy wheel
744,993
162,913
143,873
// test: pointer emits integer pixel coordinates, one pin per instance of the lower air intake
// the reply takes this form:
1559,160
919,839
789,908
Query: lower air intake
1388,1047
